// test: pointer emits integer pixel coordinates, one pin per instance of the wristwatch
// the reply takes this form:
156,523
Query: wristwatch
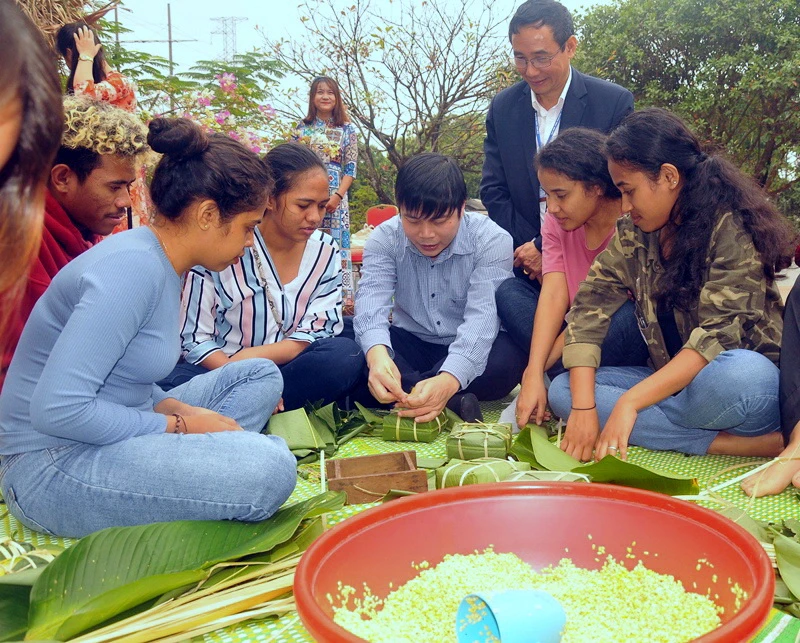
86,57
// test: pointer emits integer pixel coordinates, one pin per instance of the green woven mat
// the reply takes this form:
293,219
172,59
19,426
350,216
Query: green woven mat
289,630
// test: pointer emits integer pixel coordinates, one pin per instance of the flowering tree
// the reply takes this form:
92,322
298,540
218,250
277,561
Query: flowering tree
416,76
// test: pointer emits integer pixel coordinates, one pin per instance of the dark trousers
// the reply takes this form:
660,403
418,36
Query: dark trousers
418,360
790,363
517,300
325,371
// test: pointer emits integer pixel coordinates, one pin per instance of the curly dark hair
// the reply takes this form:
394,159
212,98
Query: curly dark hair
645,141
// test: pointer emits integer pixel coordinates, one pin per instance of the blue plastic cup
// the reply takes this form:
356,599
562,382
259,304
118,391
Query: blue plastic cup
510,616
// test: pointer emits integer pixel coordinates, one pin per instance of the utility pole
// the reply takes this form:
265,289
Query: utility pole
227,27
169,40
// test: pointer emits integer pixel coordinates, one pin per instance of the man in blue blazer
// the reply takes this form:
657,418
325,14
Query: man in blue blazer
551,97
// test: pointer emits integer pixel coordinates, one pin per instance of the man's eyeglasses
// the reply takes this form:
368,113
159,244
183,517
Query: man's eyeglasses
540,62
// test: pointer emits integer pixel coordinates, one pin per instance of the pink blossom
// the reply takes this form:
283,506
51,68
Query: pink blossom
256,149
203,99
234,135
222,116
268,110
227,82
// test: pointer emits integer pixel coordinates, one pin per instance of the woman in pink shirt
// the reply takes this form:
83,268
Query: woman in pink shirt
583,206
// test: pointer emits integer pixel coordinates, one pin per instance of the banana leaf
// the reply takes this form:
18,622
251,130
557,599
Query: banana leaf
457,473
370,417
14,603
533,447
787,556
396,428
547,476
297,430
114,570
627,474
470,440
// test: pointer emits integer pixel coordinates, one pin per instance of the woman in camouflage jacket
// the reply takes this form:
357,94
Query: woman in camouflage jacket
698,254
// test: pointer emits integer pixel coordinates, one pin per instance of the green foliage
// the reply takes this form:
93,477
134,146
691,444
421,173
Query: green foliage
361,198
729,67
115,570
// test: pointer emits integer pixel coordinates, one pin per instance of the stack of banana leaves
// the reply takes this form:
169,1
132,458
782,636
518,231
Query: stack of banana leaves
781,540
165,581
313,429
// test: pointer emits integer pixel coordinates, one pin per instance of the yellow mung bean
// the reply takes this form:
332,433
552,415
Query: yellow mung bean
607,605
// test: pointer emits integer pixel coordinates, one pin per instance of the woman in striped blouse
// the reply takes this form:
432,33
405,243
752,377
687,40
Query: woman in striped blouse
283,300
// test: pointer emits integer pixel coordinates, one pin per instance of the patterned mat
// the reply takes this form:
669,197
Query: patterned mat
717,469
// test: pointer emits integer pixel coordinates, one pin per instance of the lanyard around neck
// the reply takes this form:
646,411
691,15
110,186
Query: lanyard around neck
552,129
262,276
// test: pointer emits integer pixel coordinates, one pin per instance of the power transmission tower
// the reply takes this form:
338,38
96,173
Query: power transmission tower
227,27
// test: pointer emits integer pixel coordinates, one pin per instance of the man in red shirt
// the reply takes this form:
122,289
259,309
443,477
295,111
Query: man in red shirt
87,196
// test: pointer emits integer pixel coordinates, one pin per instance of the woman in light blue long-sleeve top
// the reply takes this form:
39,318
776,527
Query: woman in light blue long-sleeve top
87,440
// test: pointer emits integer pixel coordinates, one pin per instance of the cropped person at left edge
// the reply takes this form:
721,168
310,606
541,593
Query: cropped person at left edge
87,440
87,195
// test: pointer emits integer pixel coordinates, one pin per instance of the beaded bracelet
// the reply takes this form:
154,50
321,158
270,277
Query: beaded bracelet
180,421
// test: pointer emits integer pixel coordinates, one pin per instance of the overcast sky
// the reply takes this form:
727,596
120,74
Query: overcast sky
192,20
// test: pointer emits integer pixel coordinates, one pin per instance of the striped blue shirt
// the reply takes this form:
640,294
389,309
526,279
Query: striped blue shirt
230,310
446,300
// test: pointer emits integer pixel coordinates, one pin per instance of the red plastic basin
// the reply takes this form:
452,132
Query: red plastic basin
537,521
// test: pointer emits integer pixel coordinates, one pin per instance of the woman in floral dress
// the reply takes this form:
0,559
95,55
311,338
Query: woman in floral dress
327,130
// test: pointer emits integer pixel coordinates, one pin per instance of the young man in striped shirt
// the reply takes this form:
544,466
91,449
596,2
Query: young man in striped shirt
435,268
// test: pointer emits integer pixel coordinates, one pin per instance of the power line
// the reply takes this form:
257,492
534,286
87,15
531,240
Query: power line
169,40
227,27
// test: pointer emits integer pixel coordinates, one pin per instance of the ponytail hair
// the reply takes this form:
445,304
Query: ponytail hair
712,186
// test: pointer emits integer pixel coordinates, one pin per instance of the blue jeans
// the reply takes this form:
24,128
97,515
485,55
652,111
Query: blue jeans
517,300
737,392
324,372
232,475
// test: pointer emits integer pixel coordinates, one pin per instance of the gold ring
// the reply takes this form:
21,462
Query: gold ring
525,272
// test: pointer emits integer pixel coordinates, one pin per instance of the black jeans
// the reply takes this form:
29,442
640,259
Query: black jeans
790,363
418,360
517,300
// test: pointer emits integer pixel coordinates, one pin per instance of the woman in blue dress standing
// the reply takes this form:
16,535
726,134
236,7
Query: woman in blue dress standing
327,130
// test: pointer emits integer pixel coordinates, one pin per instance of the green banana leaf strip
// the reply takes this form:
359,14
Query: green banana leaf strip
25,577
394,494
627,474
755,527
351,428
430,463
787,555
533,447
782,594
116,569
370,417
14,604
792,525
330,415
